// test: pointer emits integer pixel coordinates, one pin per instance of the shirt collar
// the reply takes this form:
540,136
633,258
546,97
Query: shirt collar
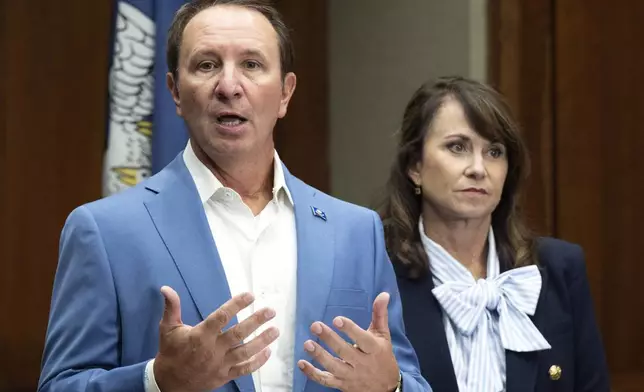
207,184
446,268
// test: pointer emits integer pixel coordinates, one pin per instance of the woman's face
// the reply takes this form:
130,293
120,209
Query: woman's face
460,173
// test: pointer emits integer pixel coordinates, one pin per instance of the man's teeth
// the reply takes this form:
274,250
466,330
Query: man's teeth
231,122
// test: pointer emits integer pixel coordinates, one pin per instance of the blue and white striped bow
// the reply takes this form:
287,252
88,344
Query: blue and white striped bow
513,295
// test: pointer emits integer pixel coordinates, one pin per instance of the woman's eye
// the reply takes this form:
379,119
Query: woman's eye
456,147
496,152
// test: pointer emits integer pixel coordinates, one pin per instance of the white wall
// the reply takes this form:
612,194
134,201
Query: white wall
380,52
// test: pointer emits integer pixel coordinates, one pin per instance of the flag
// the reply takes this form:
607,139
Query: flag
143,132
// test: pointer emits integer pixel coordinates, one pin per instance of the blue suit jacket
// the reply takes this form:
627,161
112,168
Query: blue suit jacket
564,316
117,252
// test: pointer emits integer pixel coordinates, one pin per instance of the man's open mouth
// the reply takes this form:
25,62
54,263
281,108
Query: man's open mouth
230,120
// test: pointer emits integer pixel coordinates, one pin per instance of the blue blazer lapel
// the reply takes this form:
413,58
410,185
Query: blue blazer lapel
521,368
179,216
315,263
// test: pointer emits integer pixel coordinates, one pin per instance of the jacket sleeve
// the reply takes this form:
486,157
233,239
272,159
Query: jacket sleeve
82,344
403,350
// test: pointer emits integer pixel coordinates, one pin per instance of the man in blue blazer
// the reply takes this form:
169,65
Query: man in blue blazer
260,272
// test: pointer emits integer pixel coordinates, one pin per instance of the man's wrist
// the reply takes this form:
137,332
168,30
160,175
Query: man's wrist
150,382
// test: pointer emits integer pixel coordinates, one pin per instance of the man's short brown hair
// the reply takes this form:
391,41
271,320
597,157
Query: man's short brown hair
192,8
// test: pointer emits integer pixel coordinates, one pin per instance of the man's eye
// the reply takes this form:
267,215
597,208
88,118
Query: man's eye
206,66
252,65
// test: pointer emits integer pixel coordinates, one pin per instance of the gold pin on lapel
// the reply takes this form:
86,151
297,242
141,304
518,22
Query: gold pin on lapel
554,372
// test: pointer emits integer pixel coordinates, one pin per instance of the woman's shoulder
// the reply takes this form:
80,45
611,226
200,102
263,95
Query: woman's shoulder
561,257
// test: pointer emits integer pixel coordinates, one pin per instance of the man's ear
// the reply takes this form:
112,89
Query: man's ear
173,86
288,88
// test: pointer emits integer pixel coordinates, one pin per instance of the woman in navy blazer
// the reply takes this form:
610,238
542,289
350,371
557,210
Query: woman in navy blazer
487,306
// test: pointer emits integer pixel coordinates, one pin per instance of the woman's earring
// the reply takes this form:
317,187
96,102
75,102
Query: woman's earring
417,190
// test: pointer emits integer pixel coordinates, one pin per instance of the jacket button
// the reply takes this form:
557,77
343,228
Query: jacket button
554,372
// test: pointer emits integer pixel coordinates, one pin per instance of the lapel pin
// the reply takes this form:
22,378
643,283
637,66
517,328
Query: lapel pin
318,213
554,372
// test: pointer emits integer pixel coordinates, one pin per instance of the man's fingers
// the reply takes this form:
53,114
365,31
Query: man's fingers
380,316
337,344
251,365
172,309
333,365
246,351
217,320
321,377
236,335
365,340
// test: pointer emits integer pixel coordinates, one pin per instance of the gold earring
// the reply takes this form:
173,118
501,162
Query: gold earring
417,190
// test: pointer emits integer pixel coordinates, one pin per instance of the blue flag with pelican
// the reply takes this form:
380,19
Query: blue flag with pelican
143,131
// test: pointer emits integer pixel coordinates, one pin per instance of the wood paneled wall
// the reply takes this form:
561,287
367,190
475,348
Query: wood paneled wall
514,27
54,100
302,137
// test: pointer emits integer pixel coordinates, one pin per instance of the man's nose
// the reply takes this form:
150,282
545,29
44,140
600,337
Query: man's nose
228,86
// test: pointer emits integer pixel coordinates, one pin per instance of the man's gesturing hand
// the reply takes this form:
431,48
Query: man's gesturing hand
203,357
368,365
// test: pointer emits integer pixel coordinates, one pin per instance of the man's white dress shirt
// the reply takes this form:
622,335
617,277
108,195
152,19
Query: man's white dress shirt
259,255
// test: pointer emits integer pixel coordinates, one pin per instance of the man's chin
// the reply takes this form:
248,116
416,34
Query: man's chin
231,131
238,148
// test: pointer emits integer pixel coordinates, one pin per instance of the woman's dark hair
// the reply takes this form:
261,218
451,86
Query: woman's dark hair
489,115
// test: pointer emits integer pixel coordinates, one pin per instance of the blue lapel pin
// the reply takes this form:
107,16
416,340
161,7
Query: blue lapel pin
318,213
